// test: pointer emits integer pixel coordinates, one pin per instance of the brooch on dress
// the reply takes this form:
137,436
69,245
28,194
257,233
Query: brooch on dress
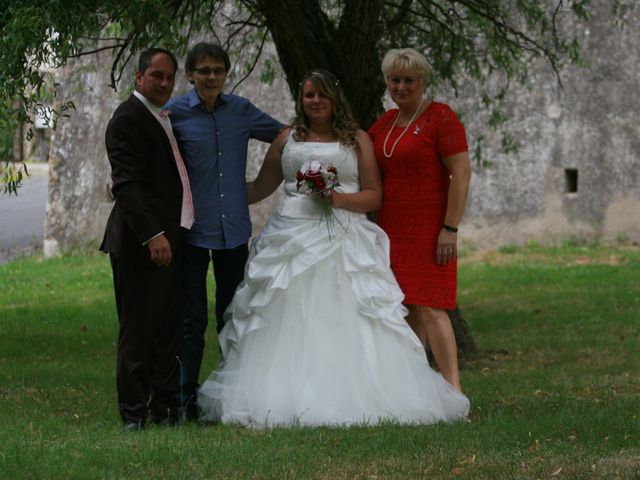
417,130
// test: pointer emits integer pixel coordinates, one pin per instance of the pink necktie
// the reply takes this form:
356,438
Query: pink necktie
187,213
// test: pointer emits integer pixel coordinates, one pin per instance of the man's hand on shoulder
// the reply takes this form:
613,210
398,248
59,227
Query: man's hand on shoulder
160,251
284,130
282,137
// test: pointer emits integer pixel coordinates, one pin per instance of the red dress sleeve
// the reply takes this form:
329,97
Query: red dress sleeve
450,134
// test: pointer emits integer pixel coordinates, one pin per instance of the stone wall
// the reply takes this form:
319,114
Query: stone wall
591,127
78,203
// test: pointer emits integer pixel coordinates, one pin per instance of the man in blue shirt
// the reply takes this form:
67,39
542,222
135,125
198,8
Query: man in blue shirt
213,130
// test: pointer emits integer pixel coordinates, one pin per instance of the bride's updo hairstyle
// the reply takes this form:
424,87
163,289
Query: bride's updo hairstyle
344,126
406,60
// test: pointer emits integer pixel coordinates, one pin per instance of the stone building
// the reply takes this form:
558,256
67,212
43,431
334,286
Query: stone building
575,174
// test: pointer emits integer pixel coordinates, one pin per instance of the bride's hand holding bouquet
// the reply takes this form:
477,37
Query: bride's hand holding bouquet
319,180
316,179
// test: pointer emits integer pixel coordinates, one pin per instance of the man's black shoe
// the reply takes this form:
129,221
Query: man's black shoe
170,421
190,413
132,427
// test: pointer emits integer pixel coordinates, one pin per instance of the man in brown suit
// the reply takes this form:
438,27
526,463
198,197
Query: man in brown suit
142,239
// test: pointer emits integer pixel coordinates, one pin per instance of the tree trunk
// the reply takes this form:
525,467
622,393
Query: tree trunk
356,41
306,39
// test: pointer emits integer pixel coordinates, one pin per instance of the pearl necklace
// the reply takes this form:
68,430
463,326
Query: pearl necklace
393,147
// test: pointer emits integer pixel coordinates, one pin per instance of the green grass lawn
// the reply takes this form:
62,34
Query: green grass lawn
555,391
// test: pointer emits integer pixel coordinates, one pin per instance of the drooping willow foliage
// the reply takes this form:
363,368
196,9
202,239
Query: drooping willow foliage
476,38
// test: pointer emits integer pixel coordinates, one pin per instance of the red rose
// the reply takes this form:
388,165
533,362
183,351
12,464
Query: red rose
312,175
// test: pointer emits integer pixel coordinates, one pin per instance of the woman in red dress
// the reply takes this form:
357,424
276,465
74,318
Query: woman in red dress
422,151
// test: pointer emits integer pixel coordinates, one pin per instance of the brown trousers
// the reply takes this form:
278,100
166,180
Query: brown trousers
148,301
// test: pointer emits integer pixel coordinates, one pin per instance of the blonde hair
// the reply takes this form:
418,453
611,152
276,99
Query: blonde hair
406,60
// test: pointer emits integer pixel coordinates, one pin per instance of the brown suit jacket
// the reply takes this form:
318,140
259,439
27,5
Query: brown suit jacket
146,183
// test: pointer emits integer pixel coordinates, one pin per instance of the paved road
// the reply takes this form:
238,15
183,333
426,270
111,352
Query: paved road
22,216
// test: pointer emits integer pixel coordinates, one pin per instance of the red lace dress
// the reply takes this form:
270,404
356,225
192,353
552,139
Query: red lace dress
416,184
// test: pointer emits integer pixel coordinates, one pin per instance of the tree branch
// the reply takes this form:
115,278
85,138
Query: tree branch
401,14
119,55
96,50
255,61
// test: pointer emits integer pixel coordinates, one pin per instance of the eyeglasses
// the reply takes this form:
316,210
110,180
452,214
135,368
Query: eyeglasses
206,71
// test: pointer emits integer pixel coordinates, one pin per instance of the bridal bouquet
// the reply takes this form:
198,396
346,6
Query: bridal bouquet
316,179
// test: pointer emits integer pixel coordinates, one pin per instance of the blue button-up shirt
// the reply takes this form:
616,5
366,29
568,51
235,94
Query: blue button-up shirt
214,148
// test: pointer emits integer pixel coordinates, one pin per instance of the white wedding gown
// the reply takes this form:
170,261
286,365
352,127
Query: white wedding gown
315,334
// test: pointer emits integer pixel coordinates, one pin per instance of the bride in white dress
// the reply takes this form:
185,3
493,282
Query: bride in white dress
316,333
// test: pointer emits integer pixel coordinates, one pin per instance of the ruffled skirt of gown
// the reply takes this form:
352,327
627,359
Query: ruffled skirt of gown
315,335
